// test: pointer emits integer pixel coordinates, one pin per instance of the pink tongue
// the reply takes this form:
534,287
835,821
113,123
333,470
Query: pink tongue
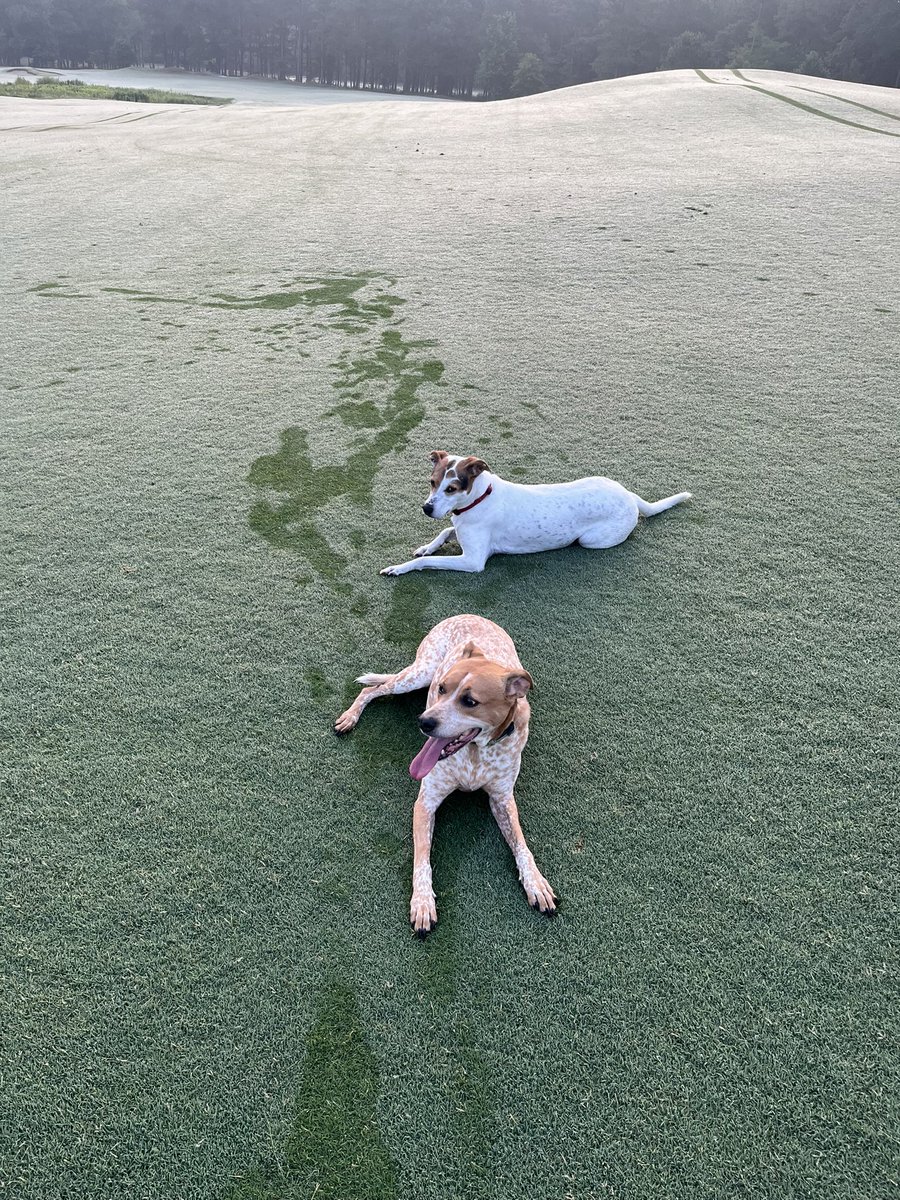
427,757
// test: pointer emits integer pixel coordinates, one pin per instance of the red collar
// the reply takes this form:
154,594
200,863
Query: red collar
457,512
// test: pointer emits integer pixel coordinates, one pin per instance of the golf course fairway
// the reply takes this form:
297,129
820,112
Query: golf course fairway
230,338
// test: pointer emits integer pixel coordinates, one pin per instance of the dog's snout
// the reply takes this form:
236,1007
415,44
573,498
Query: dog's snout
428,508
427,725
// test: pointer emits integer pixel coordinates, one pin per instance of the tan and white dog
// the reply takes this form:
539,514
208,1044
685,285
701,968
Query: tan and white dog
490,515
477,726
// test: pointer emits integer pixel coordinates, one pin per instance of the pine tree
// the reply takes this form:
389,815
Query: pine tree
499,55
529,76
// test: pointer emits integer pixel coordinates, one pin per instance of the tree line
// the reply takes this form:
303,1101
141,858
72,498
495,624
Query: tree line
464,48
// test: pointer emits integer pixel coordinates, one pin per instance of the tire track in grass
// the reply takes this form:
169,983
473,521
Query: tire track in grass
818,112
335,1149
123,119
706,78
843,100
142,117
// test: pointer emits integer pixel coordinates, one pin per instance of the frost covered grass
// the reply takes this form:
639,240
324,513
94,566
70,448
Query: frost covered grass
230,339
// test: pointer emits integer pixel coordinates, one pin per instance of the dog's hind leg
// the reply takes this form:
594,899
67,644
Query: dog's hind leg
609,532
417,675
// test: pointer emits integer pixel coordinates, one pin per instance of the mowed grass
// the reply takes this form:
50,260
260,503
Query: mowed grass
230,341
49,88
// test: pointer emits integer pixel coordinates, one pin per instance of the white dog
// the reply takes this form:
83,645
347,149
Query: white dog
490,515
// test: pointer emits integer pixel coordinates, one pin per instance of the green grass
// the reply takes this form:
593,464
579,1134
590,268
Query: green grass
209,985
48,88
335,1141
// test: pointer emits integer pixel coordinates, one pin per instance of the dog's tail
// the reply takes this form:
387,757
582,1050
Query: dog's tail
373,679
650,510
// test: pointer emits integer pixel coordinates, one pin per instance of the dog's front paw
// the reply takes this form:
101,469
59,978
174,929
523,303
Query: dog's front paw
422,913
422,551
541,895
346,721
401,569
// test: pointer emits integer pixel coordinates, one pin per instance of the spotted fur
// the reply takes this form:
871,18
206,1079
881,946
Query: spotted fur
466,654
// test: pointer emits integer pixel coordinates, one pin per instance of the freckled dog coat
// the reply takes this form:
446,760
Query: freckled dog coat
477,725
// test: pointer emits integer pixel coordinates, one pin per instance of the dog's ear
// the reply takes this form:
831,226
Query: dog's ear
438,455
518,684
470,650
468,470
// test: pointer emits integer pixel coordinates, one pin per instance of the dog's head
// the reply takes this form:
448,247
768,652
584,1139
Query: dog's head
452,477
476,699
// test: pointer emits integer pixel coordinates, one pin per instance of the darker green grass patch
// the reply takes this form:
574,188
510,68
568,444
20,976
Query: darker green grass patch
54,291
335,1149
387,736
358,414
145,297
74,89
462,824
359,605
476,1108
355,313
320,687
405,623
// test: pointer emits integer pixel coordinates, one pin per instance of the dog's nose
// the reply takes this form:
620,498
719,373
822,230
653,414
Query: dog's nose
427,725
427,508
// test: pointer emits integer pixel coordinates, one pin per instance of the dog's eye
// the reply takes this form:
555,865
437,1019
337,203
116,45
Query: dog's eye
441,690
451,490
468,702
